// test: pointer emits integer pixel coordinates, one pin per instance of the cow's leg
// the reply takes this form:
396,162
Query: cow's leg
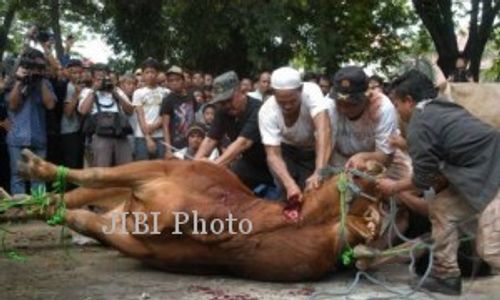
108,198
99,227
128,175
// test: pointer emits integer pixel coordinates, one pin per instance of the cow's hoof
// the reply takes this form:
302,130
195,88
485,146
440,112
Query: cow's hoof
33,167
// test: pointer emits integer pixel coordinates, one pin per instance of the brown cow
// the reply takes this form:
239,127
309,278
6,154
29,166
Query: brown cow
278,248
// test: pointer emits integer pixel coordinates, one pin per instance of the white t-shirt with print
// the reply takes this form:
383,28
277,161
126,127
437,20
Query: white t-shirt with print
106,101
368,133
301,134
150,99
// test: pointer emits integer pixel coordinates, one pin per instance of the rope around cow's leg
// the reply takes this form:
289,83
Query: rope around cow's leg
39,202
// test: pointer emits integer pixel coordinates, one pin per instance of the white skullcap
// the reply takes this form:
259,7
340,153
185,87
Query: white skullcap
285,78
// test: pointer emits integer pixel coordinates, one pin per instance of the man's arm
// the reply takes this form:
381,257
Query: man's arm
323,149
233,150
87,103
71,103
166,133
323,139
15,97
157,124
127,107
278,166
142,120
48,97
206,147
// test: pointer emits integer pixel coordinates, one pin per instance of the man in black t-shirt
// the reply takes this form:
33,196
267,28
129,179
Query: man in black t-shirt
237,117
178,110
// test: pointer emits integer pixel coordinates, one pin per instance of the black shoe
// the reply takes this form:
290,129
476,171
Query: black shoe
448,286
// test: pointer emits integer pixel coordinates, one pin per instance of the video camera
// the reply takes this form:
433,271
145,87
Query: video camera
34,62
106,84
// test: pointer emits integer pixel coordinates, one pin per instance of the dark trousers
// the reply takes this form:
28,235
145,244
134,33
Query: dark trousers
299,162
72,150
250,174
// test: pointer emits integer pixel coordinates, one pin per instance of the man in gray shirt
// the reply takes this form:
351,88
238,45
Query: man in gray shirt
446,141
71,136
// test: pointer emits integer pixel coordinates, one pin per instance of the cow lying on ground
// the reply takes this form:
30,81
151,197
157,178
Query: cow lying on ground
284,243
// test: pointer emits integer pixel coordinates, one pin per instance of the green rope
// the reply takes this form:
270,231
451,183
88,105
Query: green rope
38,202
59,187
347,255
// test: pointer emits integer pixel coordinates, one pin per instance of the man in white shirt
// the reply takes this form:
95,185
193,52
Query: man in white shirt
363,119
296,132
147,102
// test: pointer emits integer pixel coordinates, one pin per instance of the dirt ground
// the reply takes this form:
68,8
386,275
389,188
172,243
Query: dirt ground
52,271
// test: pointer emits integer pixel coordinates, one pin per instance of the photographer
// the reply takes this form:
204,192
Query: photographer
106,123
27,100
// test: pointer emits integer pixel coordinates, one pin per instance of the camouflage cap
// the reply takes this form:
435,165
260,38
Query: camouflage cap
224,86
349,83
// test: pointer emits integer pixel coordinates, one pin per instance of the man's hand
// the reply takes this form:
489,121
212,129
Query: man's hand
169,155
357,161
387,186
397,141
150,144
5,124
150,128
313,182
293,193
21,73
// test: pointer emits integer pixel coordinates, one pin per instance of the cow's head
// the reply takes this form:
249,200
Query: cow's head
323,204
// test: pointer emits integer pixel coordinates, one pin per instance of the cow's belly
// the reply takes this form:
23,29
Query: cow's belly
289,254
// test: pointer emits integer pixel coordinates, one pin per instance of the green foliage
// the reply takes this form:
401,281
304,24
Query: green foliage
249,36
492,50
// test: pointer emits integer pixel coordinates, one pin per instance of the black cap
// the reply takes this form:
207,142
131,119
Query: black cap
349,84
99,67
74,63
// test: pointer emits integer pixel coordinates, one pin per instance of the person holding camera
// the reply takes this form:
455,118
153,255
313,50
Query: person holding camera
27,100
107,123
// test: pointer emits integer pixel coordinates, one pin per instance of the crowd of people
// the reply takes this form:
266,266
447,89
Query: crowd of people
276,133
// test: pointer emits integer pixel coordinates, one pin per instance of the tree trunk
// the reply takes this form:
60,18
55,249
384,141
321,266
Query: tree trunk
56,27
7,23
437,18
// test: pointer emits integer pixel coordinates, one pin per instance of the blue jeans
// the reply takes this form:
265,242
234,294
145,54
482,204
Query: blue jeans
17,183
141,150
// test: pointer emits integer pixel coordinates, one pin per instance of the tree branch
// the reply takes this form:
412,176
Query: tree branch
7,23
